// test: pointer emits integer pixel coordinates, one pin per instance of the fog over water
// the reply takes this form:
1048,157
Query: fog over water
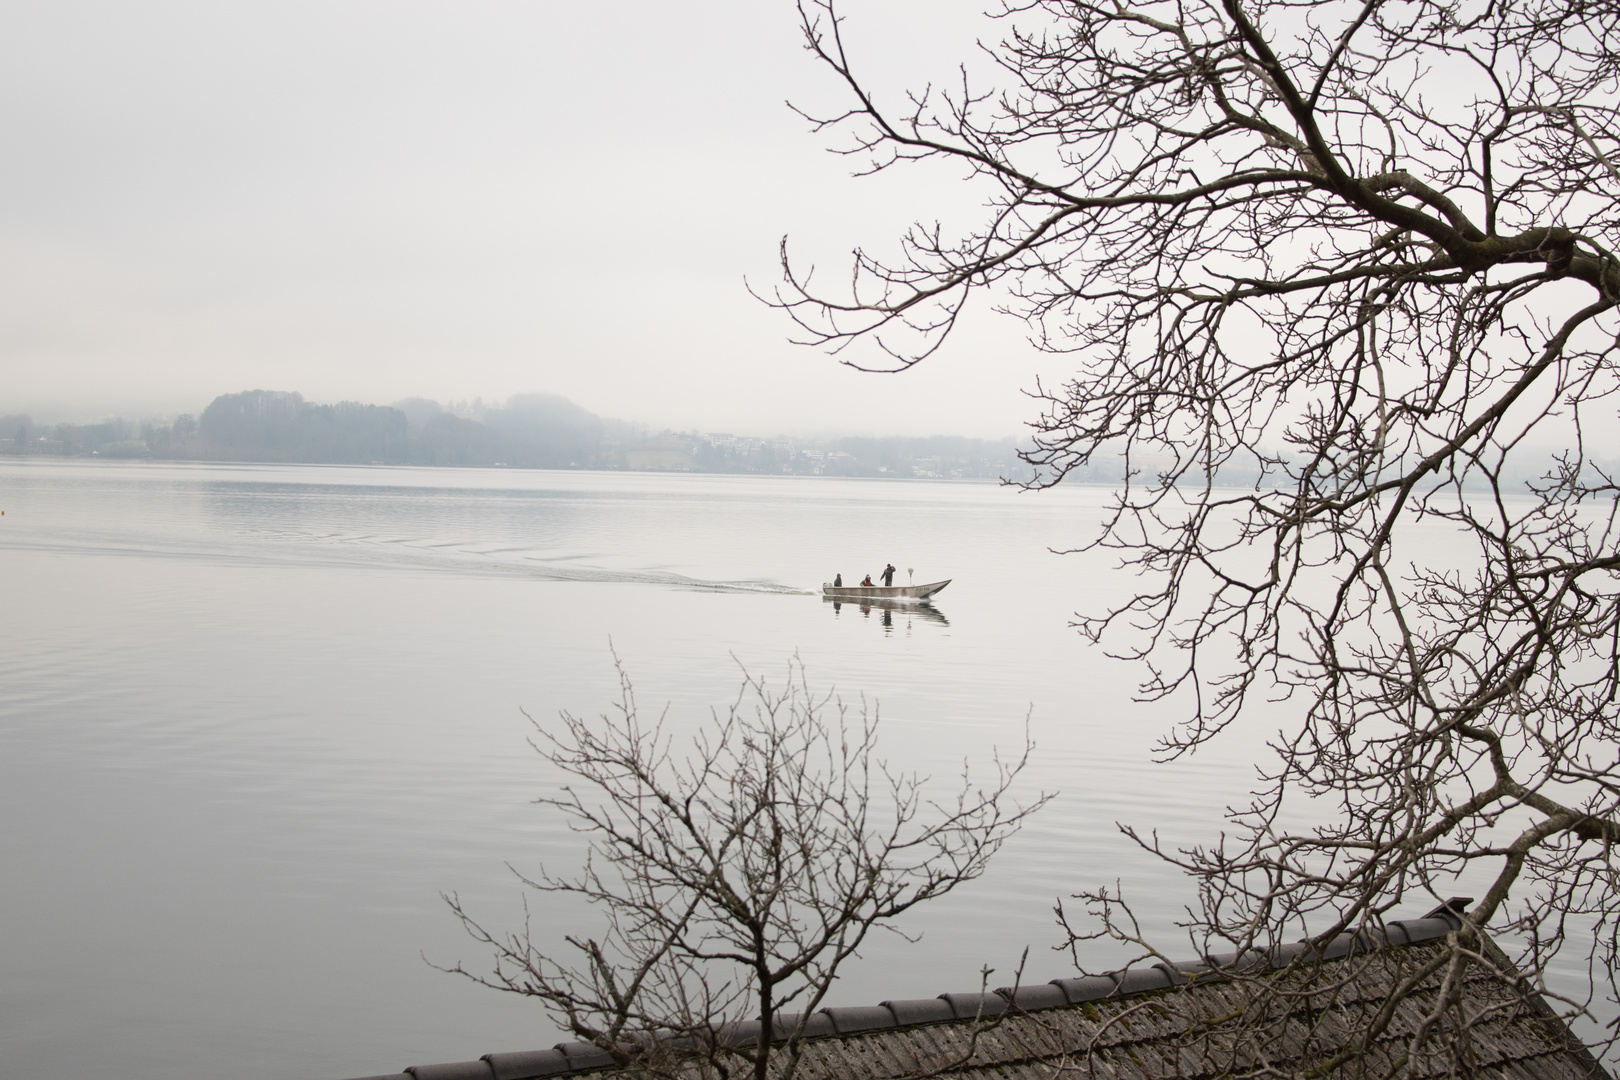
386,198
257,718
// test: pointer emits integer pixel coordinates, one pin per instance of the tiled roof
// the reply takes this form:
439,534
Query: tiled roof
1128,1029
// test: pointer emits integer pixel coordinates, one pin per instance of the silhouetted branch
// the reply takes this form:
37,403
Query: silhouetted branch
1335,275
736,875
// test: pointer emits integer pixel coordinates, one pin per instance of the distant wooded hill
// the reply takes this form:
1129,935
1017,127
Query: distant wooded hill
541,431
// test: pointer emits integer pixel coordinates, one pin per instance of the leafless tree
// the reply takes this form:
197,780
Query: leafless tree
736,879
1332,273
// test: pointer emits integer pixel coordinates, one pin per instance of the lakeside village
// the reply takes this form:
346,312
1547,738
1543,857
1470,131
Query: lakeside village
527,431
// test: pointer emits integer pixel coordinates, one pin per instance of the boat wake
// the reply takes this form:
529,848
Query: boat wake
377,553
654,577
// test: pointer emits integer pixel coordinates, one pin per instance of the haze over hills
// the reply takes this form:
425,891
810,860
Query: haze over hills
543,431
547,431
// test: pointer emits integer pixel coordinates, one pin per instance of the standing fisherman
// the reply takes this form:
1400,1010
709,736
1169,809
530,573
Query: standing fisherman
888,574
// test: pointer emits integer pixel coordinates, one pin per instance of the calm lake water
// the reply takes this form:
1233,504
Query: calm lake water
256,719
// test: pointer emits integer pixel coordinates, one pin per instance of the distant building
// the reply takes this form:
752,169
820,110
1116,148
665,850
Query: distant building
675,454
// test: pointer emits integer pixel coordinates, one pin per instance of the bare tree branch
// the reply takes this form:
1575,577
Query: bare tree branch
1337,276
735,879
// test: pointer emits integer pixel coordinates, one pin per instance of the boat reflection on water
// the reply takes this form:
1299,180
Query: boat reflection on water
920,609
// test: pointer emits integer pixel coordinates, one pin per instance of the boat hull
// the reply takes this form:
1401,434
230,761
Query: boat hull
858,593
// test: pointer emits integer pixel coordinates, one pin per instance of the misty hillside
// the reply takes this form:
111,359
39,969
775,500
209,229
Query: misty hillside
272,425
531,430
543,431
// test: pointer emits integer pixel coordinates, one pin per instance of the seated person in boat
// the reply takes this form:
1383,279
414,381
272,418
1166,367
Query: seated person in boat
838,580
868,580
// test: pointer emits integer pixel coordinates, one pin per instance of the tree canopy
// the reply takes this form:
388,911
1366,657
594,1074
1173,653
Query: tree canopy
1362,250
736,875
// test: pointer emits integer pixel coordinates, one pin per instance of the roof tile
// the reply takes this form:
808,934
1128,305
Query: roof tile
818,1025
582,1055
1088,988
968,1006
1137,980
860,1018
453,1070
1037,996
921,1011
527,1063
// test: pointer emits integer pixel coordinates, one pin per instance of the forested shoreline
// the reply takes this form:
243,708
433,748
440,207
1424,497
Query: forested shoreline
535,431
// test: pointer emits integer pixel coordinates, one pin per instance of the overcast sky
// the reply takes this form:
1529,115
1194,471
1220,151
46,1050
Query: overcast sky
372,200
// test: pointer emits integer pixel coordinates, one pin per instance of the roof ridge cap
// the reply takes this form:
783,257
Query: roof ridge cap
840,1020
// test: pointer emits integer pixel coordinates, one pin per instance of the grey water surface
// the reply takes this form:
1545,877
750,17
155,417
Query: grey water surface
254,720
